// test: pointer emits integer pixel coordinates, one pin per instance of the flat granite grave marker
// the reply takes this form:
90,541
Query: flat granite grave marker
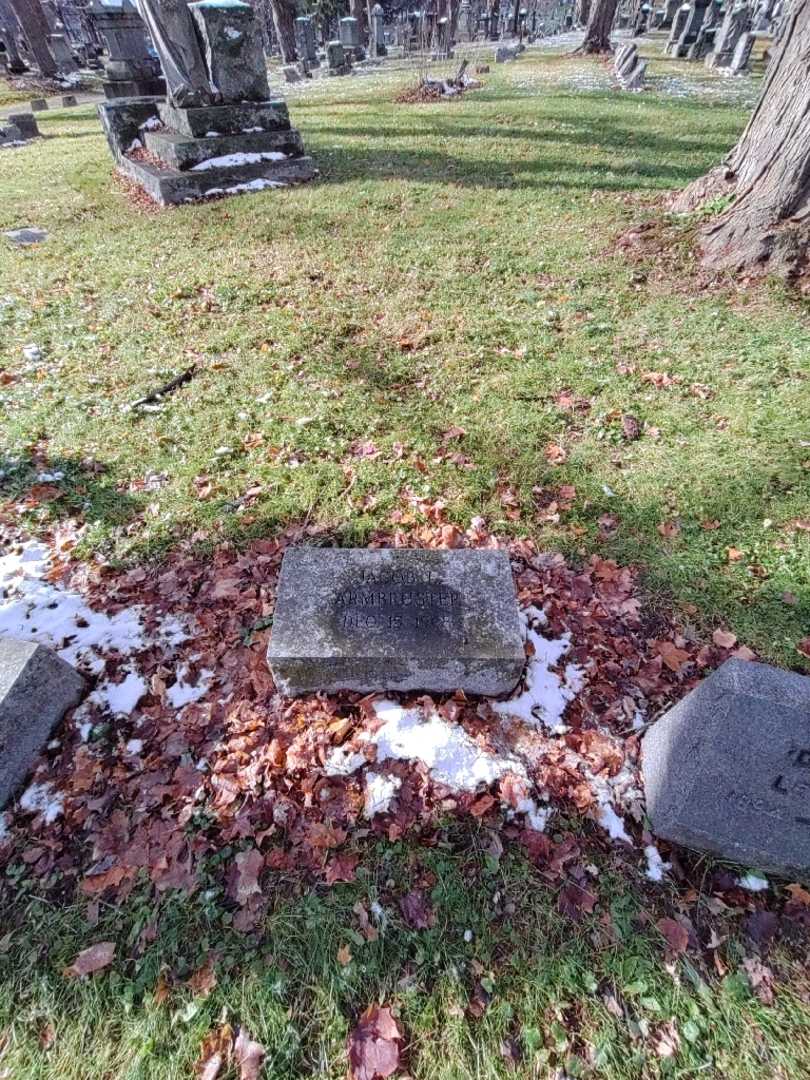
400,619
727,770
37,687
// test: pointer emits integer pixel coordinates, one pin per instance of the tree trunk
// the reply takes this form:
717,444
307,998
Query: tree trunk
284,22
357,10
767,226
35,29
600,23
581,12
9,28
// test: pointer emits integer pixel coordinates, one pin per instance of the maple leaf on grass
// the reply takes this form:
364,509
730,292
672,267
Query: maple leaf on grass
249,1056
375,1045
575,902
249,865
675,935
417,911
95,958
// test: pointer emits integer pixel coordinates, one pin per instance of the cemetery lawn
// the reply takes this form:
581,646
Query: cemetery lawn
455,267
459,319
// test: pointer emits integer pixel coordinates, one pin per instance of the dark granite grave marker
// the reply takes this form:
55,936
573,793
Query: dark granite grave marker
36,689
727,770
396,620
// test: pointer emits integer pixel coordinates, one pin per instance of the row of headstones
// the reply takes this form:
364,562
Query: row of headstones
71,40
698,34
341,53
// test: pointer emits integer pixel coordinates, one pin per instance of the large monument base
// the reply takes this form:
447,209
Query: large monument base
178,155
218,132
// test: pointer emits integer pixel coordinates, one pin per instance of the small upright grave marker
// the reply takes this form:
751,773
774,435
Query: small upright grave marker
727,770
396,619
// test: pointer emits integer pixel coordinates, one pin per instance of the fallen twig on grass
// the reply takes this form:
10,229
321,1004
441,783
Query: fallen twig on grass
167,388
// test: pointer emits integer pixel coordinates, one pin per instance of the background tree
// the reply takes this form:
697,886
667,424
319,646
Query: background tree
284,12
35,28
600,23
767,174
581,12
359,11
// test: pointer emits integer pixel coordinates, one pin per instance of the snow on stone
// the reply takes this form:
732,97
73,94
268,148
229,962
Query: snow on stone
232,34
380,792
547,693
753,883
42,799
229,161
656,867
134,746
451,756
183,693
34,609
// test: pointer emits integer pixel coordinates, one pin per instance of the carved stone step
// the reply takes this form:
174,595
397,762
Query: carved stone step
184,152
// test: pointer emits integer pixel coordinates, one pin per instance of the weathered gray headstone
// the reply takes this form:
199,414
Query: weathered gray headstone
39,105
727,770
232,47
37,687
399,619
26,122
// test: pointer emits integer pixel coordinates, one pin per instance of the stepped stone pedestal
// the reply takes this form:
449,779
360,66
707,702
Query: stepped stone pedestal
241,142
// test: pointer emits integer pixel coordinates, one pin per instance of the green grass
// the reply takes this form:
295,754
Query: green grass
454,265
551,981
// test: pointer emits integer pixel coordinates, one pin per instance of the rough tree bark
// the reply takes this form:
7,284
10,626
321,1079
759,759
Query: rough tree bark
600,23
284,21
767,226
35,28
357,9
581,12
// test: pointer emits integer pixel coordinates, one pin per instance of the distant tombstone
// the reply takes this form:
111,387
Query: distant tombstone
396,619
670,9
504,54
336,60
37,688
10,135
349,29
291,73
305,36
691,28
39,105
736,22
742,54
678,23
131,69
727,770
62,54
378,47
442,50
69,100
26,122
